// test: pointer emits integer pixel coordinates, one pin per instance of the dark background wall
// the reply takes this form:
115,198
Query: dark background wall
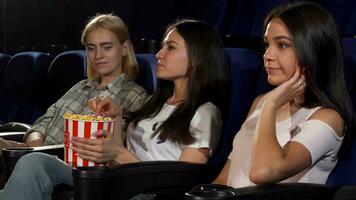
40,24
55,25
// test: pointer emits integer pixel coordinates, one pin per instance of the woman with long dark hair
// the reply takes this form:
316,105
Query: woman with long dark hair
297,131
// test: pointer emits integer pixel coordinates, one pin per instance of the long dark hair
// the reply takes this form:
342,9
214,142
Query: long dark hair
318,50
207,76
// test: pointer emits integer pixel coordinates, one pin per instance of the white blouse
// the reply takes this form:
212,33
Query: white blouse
205,127
316,136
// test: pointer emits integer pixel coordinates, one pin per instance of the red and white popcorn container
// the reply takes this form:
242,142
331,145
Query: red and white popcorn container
85,129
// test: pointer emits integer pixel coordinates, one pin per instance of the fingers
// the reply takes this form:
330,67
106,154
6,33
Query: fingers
92,149
87,144
90,155
92,104
300,83
107,106
296,75
102,104
101,133
300,86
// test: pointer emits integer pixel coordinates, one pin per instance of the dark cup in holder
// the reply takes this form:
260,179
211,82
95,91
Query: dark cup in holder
210,192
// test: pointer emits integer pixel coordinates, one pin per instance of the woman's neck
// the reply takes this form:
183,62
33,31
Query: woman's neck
179,93
106,79
289,108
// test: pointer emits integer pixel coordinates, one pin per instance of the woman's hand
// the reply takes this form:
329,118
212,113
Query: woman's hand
10,144
287,90
107,107
100,150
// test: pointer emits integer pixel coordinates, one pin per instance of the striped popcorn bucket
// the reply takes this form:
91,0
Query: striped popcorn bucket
84,129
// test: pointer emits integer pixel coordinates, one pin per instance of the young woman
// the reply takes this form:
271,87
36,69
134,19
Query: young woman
181,121
294,132
111,69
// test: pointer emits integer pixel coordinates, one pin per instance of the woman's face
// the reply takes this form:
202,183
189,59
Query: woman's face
105,52
280,58
172,58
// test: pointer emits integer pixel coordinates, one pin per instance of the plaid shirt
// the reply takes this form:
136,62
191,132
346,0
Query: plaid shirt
127,94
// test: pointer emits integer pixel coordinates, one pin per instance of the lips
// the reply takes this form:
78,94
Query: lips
270,70
100,63
159,65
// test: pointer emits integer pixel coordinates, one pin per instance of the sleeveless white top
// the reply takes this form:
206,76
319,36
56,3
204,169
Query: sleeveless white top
315,135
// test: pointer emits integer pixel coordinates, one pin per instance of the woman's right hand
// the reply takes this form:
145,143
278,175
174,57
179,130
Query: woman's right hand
107,107
287,90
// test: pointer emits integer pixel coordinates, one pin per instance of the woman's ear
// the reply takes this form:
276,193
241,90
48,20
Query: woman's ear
124,48
302,73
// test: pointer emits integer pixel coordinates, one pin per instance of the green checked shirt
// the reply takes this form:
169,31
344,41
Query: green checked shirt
127,94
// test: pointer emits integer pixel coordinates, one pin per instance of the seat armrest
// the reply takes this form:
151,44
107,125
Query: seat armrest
15,136
14,127
12,155
281,191
162,177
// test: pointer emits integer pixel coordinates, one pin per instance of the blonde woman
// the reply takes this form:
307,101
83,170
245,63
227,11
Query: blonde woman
111,69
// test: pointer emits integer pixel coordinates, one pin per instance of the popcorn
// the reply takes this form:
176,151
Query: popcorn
77,125
87,117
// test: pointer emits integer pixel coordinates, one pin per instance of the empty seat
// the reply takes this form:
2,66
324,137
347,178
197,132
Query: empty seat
211,11
343,12
65,71
244,68
24,72
245,29
344,172
349,49
147,75
148,23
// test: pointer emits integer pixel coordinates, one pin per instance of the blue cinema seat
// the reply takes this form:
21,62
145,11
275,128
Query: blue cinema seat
343,12
245,29
24,73
65,71
211,11
147,75
244,69
349,46
344,173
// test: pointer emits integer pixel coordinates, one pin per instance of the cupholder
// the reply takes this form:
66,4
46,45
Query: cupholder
209,192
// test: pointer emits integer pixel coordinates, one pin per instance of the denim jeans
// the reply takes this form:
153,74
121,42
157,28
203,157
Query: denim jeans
34,177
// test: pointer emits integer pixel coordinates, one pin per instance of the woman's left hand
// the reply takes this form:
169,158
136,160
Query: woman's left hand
287,90
100,150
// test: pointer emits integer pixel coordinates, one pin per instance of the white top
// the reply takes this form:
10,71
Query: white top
205,127
316,136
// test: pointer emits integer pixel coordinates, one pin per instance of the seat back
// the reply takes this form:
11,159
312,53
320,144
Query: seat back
244,69
149,22
344,172
147,75
250,15
343,12
65,71
349,49
24,72
4,59
211,11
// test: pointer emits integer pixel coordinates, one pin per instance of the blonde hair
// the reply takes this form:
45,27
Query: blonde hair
118,27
